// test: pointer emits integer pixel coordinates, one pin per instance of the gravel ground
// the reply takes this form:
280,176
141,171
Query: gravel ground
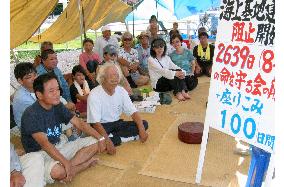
66,60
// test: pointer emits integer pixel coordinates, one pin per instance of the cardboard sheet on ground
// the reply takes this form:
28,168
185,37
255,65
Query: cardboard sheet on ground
160,121
178,161
95,176
134,151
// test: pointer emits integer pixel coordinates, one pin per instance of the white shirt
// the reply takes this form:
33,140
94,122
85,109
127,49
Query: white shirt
101,42
104,108
156,71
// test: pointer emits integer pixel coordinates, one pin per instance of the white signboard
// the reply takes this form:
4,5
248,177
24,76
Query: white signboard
242,88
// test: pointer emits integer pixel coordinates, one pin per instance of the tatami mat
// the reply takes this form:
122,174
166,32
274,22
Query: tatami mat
95,176
178,161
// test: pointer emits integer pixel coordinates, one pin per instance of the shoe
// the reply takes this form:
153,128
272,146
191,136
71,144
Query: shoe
71,138
165,98
127,139
75,135
136,98
242,152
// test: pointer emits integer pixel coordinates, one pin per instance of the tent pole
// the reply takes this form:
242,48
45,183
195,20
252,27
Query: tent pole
127,26
84,25
81,23
96,34
39,45
157,9
133,21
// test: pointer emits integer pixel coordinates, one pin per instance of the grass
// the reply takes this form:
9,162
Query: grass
73,44
29,50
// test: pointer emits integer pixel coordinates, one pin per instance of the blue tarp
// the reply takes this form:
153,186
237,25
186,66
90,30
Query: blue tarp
185,8
180,9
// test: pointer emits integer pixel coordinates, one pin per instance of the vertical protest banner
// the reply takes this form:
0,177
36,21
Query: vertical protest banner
242,87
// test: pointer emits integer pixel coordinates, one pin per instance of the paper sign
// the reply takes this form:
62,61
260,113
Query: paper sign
242,88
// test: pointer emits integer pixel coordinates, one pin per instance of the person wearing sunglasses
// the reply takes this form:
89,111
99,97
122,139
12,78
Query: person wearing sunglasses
128,58
165,75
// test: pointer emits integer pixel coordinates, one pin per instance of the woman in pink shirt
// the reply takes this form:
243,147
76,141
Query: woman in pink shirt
89,60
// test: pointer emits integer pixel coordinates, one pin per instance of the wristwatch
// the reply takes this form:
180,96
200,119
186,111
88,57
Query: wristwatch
101,139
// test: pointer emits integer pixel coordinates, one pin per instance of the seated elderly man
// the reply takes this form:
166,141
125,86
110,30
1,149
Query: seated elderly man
41,132
106,102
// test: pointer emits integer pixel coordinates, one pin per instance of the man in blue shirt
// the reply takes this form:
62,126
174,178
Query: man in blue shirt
49,64
25,74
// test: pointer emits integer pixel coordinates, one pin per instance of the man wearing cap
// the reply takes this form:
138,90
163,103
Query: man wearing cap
203,53
110,57
143,51
105,39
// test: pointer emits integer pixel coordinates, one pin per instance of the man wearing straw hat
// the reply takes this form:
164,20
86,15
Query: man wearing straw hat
143,51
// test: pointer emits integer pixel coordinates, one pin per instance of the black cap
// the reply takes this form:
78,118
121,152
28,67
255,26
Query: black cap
203,34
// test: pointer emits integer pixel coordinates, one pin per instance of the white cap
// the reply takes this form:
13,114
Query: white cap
105,28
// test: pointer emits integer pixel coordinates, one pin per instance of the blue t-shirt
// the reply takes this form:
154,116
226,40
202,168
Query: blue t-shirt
183,60
38,119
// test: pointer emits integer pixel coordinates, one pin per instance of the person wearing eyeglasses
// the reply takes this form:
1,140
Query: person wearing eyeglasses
25,73
165,75
128,58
